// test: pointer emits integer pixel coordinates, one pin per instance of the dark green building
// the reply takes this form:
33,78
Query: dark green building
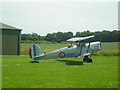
10,39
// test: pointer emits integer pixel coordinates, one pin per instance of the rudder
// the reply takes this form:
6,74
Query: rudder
35,51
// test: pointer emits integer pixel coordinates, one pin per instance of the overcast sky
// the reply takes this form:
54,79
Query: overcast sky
49,17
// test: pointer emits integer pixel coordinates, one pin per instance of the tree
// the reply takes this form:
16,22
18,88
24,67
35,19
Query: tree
34,36
84,34
104,36
60,37
68,35
50,37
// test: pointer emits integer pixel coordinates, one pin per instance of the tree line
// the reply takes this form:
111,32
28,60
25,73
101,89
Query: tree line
103,36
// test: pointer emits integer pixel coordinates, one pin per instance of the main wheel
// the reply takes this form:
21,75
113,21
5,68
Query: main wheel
86,59
89,60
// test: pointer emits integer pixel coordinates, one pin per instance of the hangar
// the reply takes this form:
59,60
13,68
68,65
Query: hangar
10,39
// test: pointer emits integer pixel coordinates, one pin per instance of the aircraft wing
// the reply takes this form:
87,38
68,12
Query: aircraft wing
85,54
79,38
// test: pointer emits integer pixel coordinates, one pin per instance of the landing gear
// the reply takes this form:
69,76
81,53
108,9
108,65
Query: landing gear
86,59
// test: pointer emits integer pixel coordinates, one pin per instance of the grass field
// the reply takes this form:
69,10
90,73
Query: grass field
18,72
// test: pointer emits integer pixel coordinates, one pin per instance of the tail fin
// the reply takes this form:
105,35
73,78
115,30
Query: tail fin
35,51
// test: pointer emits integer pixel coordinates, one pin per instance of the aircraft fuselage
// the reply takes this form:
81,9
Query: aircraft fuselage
73,51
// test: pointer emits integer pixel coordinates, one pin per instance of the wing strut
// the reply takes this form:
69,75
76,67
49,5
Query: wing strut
88,47
80,48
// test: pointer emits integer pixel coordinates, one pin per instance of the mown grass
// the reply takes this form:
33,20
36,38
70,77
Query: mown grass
18,72
108,48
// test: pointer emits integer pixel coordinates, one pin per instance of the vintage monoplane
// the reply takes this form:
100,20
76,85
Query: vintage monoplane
81,49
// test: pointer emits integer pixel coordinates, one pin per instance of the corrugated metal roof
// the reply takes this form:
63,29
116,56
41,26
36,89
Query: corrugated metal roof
5,26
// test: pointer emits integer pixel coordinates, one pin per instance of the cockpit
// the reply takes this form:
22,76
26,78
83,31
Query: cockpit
81,44
77,44
70,45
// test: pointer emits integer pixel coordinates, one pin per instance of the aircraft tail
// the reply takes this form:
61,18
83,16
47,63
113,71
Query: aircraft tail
35,51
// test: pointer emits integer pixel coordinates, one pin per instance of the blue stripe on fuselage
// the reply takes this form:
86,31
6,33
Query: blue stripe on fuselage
34,50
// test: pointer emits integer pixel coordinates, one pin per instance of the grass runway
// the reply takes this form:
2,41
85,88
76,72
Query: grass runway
18,72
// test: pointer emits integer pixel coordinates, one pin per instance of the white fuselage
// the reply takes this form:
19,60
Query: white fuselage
73,51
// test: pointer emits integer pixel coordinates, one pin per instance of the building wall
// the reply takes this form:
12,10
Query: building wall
11,42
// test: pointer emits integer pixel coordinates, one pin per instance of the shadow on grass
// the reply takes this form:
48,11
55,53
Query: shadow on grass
34,61
69,62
